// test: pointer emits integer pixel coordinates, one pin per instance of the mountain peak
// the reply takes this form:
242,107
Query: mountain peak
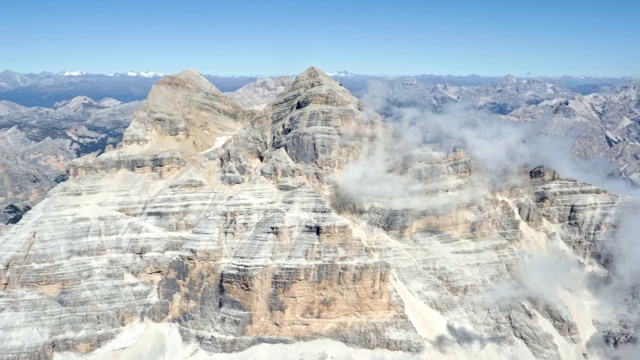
313,86
189,80
9,72
314,74
312,120
316,78
508,79
186,112
75,104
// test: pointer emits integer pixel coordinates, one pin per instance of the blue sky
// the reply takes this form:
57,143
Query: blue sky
562,37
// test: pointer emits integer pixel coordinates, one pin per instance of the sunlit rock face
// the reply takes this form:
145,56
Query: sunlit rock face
304,228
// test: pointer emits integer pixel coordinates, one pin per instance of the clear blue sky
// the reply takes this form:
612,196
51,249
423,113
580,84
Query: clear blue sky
600,38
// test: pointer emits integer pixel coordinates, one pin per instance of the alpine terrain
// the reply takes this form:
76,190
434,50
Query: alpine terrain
301,224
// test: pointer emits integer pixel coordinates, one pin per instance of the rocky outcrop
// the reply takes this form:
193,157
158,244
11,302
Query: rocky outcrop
585,223
319,124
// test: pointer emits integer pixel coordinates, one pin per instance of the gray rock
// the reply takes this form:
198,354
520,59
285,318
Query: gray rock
304,222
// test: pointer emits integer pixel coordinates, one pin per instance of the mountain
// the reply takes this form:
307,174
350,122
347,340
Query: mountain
605,126
341,73
601,127
37,144
314,229
502,97
256,95
45,89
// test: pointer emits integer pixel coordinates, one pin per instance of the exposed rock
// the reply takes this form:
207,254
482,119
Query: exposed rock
502,97
311,119
184,112
604,126
585,214
236,231
258,94
36,145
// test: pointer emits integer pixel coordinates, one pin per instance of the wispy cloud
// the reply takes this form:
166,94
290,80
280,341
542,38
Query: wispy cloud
501,152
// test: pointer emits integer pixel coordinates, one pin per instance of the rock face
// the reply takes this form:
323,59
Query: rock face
175,112
305,227
32,161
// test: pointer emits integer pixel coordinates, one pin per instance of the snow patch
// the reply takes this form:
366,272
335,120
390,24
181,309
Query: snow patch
109,102
73,73
146,74
342,73
127,338
220,140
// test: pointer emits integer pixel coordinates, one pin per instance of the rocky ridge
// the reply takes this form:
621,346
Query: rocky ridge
234,230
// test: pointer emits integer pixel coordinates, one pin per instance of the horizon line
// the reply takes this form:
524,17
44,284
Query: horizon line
331,73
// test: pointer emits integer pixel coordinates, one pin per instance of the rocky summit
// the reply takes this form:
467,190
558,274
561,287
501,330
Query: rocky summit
308,229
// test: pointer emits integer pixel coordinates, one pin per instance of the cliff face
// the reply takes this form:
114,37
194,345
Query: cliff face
216,229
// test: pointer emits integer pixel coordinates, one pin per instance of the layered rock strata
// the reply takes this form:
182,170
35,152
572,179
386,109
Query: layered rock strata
238,231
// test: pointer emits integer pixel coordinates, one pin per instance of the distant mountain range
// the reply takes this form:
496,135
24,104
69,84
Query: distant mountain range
37,143
46,88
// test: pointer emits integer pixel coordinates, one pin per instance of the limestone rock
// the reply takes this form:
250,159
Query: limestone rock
186,112
213,229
